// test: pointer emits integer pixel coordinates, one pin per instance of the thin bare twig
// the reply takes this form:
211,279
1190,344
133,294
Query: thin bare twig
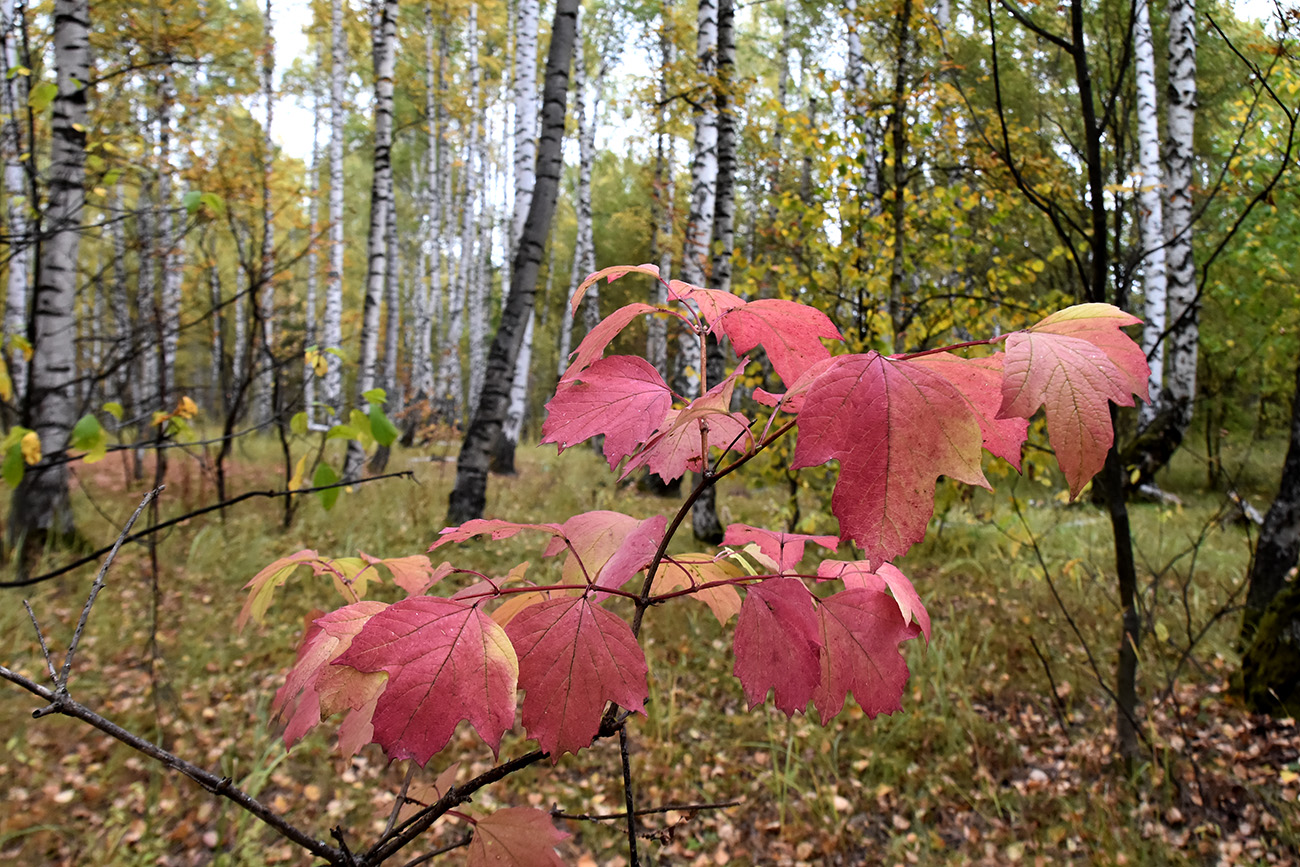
557,813
628,798
62,682
45,650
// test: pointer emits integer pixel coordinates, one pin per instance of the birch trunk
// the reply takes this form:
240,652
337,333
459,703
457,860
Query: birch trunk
310,327
584,253
1150,206
332,326
13,95
525,166
145,387
704,514
266,285
39,513
470,492
469,271
384,48
900,312
422,382
657,328
704,179
169,253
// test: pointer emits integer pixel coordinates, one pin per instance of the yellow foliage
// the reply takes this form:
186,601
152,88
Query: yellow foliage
31,446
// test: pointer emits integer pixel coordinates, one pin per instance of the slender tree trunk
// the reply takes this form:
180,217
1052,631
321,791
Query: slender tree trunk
39,513
1150,206
332,327
525,140
1164,433
662,210
169,254
310,324
584,249
266,409
899,309
469,495
422,376
384,41
704,514
13,94
475,215
145,387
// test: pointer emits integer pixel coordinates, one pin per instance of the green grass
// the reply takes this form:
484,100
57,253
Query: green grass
977,768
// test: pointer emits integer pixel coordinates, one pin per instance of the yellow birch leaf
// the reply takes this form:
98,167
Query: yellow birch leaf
299,469
31,446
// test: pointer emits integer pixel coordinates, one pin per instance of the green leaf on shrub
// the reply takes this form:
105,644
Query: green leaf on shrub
323,476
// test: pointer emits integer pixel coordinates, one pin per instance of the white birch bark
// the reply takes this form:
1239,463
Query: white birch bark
392,303
170,258
310,326
1150,205
584,252
266,285
657,327
1184,313
525,172
145,386
469,269
13,94
422,381
124,332
332,325
39,512
384,49
704,179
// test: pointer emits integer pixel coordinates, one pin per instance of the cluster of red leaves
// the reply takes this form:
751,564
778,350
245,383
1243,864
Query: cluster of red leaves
408,673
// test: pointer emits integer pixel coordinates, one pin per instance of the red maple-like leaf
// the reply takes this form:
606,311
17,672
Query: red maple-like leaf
861,575
446,661
777,644
790,333
414,574
593,345
606,548
1073,363
622,397
313,688
677,446
686,571
515,837
613,273
573,657
895,426
785,549
979,380
860,631
488,526
262,585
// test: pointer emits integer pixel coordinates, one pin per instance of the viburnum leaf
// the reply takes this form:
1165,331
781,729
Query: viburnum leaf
515,837
712,303
1072,363
895,426
860,575
574,656
676,448
414,574
313,688
613,273
785,549
262,585
778,644
606,548
593,345
483,526
684,571
446,661
979,380
789,332
622,397
859,632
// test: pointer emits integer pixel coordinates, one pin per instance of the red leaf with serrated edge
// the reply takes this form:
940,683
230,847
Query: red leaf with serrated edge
262,585
676,448
515,837
778,645
414,574
979,380
613,273
895,426
860,631
786,549
593,345
313,688
574,656
483,526
685,571
1072,363
606,548
712,303
446,661
861,575
622,397
789,332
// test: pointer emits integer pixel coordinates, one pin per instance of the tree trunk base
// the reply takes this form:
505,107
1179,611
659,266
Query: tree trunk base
503,457
1269,679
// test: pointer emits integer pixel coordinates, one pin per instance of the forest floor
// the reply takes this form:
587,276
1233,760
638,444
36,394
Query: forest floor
1003,752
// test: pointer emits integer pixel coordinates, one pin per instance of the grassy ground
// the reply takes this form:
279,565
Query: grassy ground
987,763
